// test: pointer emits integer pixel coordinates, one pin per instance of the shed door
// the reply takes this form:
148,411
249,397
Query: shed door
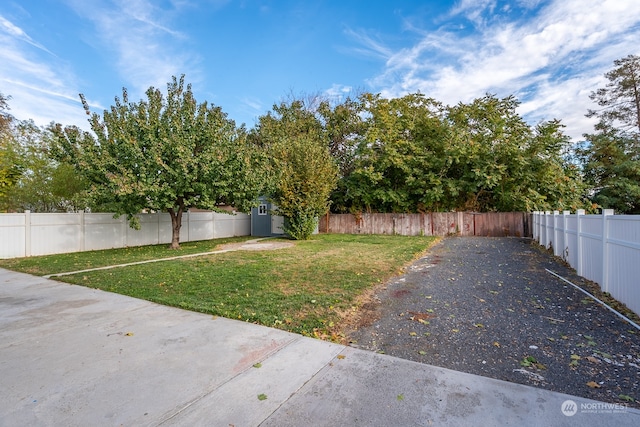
261,220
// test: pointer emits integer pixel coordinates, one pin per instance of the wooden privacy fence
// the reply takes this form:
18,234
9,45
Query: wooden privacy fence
491,224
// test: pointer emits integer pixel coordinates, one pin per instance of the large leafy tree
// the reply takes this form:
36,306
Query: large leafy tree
306,176
500,163
163,154
5,117
400,160
10,164
29,177
302,171
611,155
416,155
45,185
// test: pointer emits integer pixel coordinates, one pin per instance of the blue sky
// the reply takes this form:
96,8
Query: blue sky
245,55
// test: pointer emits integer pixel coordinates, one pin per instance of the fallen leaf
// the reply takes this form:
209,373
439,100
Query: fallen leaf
257,365
603,354
575,357
129,334
400,397
422,352
413,334
262,396
418,317
455,330
478,325
341,356
593,384
496,344
593,359
626,397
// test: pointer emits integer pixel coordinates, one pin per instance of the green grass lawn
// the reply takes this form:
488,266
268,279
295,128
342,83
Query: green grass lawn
49,264
300,289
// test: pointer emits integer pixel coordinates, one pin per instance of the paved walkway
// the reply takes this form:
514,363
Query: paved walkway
73,356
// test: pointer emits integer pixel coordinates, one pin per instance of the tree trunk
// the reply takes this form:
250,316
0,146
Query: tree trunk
176,224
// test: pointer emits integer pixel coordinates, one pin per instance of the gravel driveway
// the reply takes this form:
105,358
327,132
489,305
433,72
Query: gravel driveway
487,306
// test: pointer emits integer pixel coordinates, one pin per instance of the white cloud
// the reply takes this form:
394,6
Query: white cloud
337,91
370,46
14,31
253,103
41,89
473,10
553,59
148,52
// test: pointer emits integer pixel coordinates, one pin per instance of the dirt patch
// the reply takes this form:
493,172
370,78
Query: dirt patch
364,312
487,306
399,293
257,245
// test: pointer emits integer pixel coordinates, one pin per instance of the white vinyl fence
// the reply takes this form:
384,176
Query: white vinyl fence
31,234
602,248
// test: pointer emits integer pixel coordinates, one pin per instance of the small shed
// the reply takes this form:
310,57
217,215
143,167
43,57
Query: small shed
263,222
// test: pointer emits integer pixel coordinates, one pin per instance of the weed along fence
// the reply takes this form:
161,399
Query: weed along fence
30,234
492,224
602,248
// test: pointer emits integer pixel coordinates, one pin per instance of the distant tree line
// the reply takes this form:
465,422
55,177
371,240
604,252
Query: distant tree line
413,154
311,154
610,157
